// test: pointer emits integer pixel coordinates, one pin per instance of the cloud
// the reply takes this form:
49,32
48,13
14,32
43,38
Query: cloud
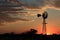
33,3
29,7
53,3
40,3
11,15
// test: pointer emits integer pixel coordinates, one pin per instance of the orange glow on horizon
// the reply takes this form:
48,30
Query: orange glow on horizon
51,29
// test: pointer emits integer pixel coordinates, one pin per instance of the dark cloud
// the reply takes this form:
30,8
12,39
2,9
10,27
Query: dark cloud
6,18
53,3
56,3
7,6
33,3
5,15
40,3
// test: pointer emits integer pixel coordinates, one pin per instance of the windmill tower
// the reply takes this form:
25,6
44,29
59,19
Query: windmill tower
44,16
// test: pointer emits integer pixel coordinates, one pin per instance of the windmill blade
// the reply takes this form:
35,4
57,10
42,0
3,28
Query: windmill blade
45,15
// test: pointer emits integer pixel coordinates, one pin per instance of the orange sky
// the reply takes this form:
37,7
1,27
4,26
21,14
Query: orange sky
12,19
23,26
51,29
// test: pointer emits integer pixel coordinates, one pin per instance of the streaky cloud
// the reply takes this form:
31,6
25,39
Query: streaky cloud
9,8
40,3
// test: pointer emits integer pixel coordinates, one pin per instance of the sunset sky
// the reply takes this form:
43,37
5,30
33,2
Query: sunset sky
23,18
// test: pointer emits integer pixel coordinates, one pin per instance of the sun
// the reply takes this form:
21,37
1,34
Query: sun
48,34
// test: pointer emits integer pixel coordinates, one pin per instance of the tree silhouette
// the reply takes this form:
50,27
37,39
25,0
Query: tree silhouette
32,31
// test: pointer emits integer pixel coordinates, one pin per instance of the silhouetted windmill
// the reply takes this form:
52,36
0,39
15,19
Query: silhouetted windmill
44,16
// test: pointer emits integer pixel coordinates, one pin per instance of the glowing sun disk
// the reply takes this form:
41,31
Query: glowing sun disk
48,34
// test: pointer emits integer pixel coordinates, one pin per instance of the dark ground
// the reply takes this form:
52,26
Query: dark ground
30,35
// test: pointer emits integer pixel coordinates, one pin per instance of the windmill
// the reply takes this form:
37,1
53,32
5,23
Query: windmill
44,16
